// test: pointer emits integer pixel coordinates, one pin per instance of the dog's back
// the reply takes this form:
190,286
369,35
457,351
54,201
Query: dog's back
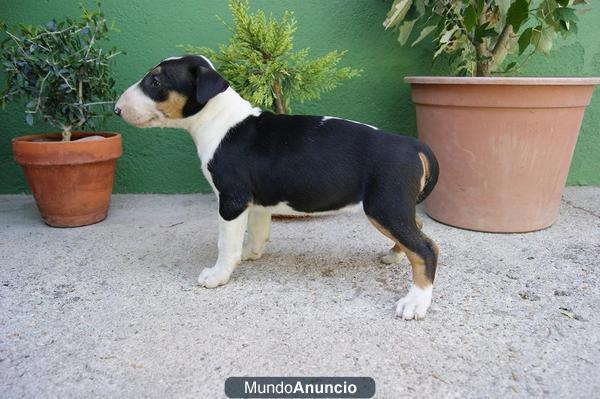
315,163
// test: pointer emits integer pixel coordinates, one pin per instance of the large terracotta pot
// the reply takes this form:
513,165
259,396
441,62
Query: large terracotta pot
504,147
71,181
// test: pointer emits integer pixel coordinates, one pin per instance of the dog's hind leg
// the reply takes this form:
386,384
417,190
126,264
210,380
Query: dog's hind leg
401,227
394,255
259,227
423,259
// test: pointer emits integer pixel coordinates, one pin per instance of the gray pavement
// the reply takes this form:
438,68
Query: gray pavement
113,310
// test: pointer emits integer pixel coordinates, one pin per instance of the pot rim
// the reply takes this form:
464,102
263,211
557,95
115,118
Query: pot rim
43,153
28,138
505,81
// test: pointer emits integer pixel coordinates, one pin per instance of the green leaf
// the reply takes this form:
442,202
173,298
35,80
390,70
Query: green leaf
480,6
510,66
413,13
503,5
397,13
565,14
543,39
525,40
447,35
440,49
424,33
482,31
563,3
545,11
517,14
470,18
405,30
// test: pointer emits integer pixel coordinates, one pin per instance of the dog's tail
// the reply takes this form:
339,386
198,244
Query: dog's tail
430,170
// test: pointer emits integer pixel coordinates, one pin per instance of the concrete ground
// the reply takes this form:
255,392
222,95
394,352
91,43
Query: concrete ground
113,310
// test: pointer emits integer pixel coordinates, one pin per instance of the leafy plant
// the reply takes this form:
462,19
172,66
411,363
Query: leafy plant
259,62
60,71
479,34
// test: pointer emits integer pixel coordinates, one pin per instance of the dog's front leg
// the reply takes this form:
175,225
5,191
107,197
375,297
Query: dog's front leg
259,227
231,239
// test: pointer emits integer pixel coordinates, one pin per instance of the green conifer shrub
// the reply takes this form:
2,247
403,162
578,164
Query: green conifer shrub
260,64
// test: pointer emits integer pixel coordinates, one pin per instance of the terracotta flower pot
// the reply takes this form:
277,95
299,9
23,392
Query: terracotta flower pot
504,146
71,181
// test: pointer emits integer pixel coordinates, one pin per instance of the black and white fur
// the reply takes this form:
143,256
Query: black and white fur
259,163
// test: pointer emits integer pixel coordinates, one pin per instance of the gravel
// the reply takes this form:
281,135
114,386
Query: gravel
113,309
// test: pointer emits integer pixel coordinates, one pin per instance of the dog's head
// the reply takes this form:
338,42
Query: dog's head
175,89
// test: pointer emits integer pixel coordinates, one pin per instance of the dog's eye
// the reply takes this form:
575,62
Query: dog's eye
155,82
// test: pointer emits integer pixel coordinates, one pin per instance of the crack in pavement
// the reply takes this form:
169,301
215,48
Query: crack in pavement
581,208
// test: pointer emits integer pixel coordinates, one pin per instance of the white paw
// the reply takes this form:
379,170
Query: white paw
212,277
251,254
392,257
415,304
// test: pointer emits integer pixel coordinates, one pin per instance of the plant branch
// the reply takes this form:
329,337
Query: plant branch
481,50
17,41
97,103
91,43
279,100
503,40
66,81
58,32
500,50
66,133
39,99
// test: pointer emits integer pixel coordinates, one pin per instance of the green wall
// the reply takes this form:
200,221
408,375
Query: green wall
164,161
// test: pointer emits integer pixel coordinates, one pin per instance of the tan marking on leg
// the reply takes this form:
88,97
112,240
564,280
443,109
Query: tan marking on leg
417,262
418,268
425,163
436,249
382,230
172,107
397,248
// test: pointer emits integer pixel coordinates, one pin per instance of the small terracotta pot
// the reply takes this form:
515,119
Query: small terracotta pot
71,181
504,147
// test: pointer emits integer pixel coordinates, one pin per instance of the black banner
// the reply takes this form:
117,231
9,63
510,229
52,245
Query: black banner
300,387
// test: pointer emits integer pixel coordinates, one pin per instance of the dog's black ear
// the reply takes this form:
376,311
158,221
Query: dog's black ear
208,84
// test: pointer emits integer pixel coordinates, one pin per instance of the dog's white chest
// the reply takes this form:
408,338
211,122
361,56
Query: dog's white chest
208,177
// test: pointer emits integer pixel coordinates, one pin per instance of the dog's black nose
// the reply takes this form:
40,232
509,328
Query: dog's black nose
117,110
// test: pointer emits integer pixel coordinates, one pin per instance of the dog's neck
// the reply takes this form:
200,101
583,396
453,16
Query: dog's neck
209,126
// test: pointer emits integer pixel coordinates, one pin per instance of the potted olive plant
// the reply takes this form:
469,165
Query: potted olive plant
63,77
504,144
260,64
